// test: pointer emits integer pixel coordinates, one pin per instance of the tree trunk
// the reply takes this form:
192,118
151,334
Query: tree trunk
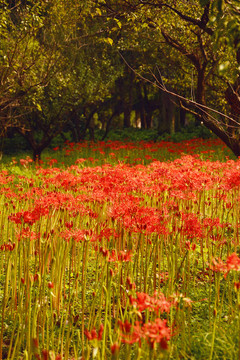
109,124
127,116
89,125
75,125
167,111
37,154
182,117
141,108
200,91
147,109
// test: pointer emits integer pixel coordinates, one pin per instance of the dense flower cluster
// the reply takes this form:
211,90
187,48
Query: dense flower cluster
232,263
153,332
101,254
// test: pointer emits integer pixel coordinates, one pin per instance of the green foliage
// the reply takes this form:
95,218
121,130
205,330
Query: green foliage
189,132
225,19
132,134
61,57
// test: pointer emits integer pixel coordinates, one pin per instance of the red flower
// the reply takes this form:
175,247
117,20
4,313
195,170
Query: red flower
125,326
233,262
50,285
92,335
156,303
115,348
153,332
218,265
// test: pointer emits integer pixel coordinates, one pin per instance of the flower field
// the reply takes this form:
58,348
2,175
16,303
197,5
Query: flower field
115,251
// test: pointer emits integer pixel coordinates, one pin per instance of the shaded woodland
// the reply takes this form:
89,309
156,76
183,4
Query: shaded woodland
75,67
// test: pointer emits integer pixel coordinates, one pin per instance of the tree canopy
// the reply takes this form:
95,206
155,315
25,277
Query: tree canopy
66,63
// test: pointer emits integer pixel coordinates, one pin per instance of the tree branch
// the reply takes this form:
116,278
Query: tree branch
202,24
174,43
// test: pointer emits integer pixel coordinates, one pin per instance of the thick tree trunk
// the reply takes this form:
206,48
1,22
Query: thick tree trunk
37,154
89,125
127,116
168,116
109,124
75,125
125,86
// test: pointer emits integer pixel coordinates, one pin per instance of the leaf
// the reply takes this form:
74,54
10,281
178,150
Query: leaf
39,107
98,11
224,66
118,23
110,41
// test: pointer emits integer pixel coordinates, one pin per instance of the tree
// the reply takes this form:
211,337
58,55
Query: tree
56,67
24,67
191,31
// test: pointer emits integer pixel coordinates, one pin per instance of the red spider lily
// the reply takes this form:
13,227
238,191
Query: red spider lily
115,348
80,161
7,246
25,162
69,224
190,246
157,303
46,355
237,285
92,335
138,218
232,263
154,332
148,157
107,232
125,326
218,265
105,252
52,161
211,223
122,256
131,284
232,179
191,227
28,217
125,256
27,234
75,234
